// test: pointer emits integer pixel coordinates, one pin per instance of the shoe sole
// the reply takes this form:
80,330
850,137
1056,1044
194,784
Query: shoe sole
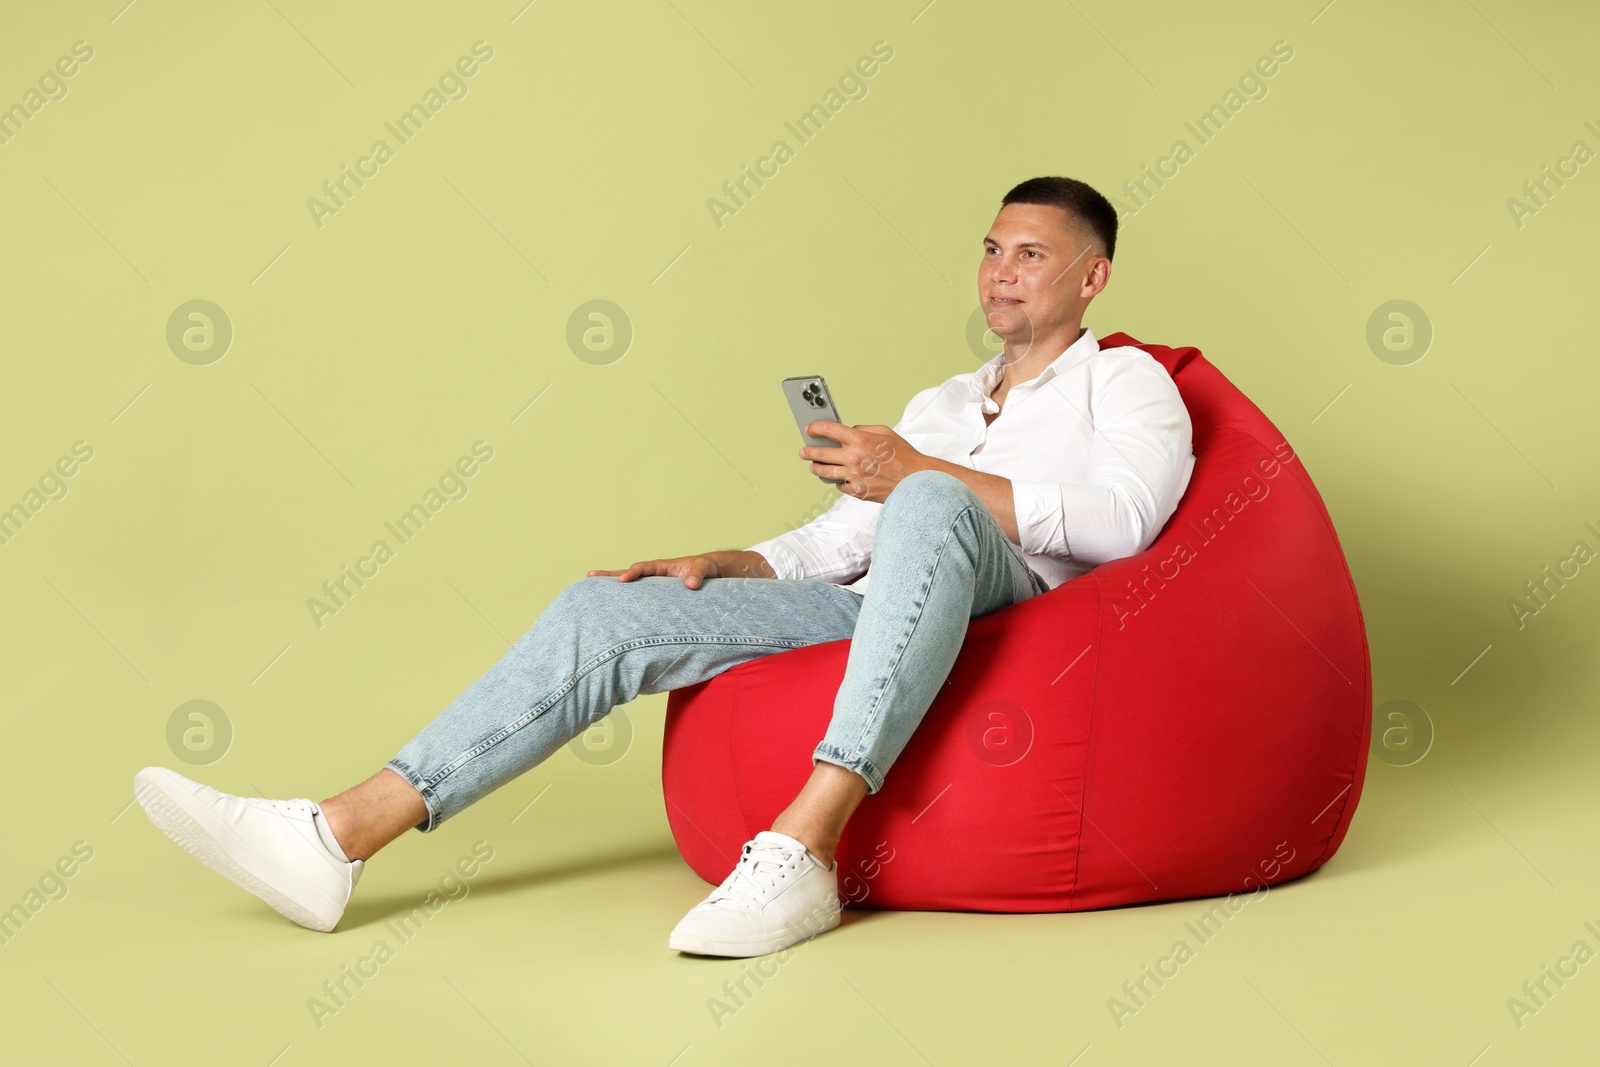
746,949
191,826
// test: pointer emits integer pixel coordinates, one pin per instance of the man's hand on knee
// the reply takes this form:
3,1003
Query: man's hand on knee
694,570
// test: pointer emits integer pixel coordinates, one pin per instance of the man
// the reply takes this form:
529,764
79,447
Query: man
998,485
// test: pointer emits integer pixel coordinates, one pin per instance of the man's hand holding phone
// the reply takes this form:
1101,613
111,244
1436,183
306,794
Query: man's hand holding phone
870,460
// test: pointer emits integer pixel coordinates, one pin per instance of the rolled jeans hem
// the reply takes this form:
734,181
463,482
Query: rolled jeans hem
860,764
429,800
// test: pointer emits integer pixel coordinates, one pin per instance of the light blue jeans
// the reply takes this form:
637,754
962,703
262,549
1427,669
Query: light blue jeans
939,559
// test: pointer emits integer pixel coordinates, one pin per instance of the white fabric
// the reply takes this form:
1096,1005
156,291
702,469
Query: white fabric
325,832
1097,447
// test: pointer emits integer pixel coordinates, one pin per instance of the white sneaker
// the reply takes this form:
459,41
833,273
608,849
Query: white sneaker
271,848
778,895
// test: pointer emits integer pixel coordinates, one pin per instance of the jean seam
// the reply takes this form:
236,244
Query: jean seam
899,653
490,741
429,798
1035,581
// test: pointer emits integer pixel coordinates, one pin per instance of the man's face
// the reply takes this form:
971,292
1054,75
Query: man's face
1032,278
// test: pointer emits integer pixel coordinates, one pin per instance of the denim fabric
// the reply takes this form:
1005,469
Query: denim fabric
939,559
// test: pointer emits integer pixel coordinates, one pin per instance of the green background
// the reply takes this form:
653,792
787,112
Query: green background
368,354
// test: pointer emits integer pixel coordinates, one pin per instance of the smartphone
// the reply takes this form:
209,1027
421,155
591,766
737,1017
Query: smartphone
810,400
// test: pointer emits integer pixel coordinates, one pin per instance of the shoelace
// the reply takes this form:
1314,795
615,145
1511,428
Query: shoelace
756,865
276,807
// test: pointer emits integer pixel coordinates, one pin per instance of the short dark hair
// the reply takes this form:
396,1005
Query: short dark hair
1075,198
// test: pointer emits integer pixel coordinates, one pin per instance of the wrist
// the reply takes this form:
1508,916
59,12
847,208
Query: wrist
741,563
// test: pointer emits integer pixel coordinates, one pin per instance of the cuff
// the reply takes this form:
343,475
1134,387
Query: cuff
1041,517
782,558
1097,523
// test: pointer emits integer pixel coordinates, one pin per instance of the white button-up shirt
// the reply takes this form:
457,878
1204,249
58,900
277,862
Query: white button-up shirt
1097,448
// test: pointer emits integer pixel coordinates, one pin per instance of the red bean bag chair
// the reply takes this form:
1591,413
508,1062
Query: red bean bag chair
1190,721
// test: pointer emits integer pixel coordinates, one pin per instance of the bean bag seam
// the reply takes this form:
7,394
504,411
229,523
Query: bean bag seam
1349,584
1189,355
740,687
1308,488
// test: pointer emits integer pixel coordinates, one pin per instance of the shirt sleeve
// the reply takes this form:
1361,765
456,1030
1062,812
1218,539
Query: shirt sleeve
1139,465
836,546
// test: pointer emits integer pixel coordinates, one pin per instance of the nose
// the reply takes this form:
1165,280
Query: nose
1002,269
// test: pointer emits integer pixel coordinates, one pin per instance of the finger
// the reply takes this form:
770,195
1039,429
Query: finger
833,431
596,574
826,453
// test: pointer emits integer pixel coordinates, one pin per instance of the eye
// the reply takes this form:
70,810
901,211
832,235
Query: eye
1031,252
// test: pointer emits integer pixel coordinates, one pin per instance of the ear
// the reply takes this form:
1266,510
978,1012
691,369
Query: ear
1097,278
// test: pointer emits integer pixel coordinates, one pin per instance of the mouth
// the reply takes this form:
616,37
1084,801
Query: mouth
1003,301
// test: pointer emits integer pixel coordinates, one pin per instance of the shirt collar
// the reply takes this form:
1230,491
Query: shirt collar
987,376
